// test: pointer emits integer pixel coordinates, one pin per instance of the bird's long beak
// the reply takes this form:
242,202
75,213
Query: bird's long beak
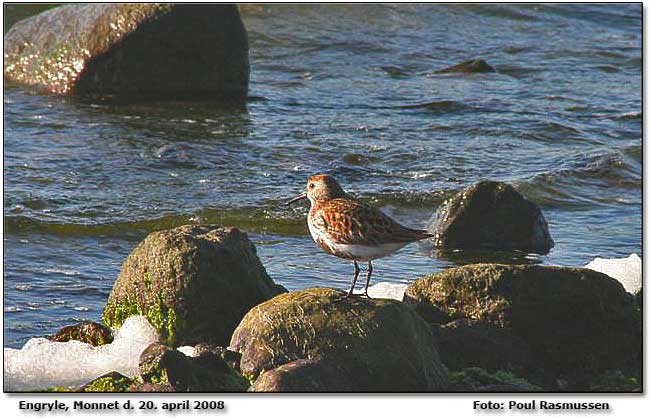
297,198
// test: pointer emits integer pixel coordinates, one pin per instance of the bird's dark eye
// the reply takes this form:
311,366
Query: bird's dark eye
311,185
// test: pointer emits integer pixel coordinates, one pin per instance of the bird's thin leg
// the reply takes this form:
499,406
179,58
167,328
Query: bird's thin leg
354,282
365,293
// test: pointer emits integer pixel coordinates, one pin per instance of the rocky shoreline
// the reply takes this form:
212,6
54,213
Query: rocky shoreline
223,325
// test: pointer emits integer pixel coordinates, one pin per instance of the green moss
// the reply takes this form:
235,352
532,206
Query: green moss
109,384
57,389
161,317
472,378
615,381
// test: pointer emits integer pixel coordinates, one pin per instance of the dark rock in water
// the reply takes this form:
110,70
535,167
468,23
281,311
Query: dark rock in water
470,66
577,322
132,50
109,382
381,344
161,365
491,215
304,376
638,298
464,343
87,332
193,283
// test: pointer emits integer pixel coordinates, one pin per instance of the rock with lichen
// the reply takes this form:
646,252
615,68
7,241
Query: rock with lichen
163,366
577,322
109,382
88,332
193,283
304,375
131,50
490,215
379,343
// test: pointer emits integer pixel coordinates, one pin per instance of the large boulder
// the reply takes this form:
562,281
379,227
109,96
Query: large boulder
380,344
135,50
490,215
193,283
577,322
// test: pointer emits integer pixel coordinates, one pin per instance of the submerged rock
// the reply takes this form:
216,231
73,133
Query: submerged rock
304,376
169,368
88,332
469,66
193,283
380,344
490,215
162,50
577,322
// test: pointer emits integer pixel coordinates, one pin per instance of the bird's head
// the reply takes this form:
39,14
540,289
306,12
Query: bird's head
320,187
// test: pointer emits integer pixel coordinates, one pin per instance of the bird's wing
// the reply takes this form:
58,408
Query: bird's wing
349,221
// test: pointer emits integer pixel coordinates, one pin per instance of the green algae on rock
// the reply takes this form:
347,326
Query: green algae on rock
110,382
193,283
161,50
381,344
577,322
88,332
490,215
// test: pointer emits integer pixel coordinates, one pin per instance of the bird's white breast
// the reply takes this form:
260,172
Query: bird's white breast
352,251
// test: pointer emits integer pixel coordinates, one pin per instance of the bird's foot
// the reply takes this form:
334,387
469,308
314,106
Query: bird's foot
366,295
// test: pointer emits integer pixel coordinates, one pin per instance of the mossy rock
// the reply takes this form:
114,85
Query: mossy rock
110,382
131,50
165,367
193,283
88,332
379,343
475,379
490,215
577,322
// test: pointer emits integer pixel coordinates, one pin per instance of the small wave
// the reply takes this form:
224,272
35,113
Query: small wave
439,106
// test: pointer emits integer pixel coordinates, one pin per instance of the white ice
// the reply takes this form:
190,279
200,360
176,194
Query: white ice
626,270
42,363
387,290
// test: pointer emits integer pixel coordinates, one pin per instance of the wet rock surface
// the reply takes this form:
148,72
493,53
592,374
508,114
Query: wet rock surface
381,344
193,283
131,50
490,215
577,322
